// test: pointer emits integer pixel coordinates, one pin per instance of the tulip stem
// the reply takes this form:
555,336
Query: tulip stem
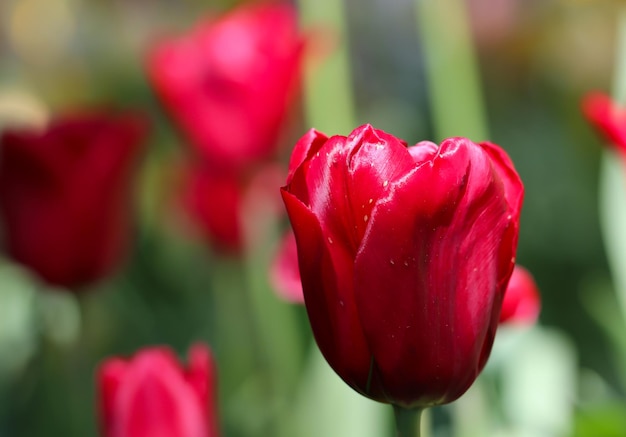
408,421
330,80
452,71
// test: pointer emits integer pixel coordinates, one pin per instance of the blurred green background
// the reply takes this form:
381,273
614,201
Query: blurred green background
535,60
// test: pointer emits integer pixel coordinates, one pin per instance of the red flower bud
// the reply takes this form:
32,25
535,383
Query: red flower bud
64,195
150,395
405,254
521,301
608,118
227,84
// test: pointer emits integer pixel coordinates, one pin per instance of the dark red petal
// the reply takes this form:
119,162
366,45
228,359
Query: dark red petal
345,178
64,194
378,160
427,275
306,146
513,187
326,268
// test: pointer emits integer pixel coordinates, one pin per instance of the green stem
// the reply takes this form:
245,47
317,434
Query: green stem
451,69
408,422
328,85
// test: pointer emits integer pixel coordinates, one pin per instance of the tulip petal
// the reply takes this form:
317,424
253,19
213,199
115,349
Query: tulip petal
513,188
344,179
326,270
155,400
309,144
378,160
607,117
423,151
521,303
435,242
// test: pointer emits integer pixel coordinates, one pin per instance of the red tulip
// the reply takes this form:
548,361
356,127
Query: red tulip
405,254
65,195
521,301
608,118
151,395
228,83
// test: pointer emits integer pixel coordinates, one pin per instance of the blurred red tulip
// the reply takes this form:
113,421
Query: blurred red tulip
227,84
151,395
65,195
213,201
405,255
229,209
285,274
608,118
521,303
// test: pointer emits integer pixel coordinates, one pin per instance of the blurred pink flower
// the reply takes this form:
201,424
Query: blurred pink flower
522,302
152,395
227,84
285,274
65,194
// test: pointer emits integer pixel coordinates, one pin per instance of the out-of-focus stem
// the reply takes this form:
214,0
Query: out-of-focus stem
451,69
408,422
328,83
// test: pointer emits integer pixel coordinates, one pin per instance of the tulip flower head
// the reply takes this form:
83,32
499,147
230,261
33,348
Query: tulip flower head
152,395
65,195
405,254
228,83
